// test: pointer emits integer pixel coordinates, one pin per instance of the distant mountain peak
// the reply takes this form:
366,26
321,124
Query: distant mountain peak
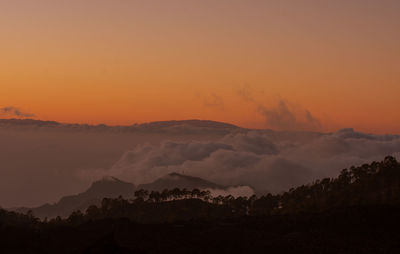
176,180
106,187
109,179
190,122
108,183
174,174
177,176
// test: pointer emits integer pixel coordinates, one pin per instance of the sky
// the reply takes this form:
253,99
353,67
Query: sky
312,64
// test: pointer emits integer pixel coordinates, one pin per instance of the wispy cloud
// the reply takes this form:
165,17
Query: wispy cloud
14,111
283,115
214,101
246,93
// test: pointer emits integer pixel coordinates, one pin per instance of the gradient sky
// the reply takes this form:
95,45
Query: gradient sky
121,62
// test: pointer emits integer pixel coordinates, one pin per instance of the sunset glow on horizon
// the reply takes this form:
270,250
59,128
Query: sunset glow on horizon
125,62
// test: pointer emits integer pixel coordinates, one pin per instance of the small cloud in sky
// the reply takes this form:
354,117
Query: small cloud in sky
246,93
286,117
283,115
14,111
214,101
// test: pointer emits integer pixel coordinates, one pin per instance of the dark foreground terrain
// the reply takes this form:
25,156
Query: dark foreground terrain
357,212
371,229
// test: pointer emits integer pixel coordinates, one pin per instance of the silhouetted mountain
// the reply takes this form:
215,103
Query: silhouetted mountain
108,187
160,126
193,122
175,180
26,122
111,187
187,123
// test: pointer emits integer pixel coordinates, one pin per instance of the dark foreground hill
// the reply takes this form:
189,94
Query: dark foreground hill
108,187
111,187
360,229
357,212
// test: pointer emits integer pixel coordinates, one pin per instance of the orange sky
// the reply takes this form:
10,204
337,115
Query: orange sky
121,62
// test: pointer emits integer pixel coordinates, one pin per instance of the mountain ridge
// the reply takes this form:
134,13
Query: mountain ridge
139,126
176,180
112,187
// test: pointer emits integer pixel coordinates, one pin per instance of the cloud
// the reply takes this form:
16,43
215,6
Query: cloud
283,117
165,157
267,161
40,164
14,111
246,93
214,101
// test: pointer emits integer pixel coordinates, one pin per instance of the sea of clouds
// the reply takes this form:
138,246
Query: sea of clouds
265,160
42,162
